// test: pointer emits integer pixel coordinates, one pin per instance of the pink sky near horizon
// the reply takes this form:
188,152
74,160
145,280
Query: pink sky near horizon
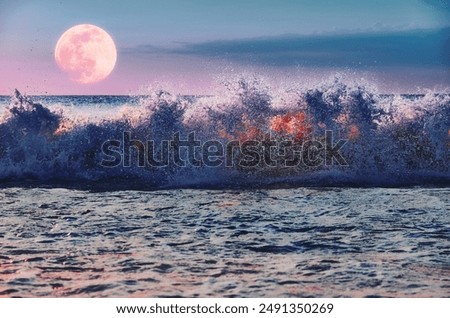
192,76
44,77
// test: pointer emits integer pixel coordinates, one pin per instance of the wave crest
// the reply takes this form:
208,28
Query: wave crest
391,139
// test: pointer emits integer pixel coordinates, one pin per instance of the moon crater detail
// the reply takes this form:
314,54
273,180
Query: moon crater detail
87,53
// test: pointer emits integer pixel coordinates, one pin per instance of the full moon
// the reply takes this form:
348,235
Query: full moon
87,53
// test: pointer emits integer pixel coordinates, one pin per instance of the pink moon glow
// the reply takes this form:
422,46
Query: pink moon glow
87,53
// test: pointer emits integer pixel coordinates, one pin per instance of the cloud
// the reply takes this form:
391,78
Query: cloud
407,48
439,4
145,49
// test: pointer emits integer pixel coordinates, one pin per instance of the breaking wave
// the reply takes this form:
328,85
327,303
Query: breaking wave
392,140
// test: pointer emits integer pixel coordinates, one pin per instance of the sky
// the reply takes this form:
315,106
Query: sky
189,45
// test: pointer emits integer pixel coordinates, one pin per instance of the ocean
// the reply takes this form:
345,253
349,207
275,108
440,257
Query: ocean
331,191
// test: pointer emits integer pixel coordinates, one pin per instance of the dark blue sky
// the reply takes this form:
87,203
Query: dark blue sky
401,45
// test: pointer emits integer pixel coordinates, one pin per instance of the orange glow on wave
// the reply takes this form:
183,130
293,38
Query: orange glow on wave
294,124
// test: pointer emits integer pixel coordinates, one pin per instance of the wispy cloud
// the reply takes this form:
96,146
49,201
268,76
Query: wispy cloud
409,48
439,4
145,49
